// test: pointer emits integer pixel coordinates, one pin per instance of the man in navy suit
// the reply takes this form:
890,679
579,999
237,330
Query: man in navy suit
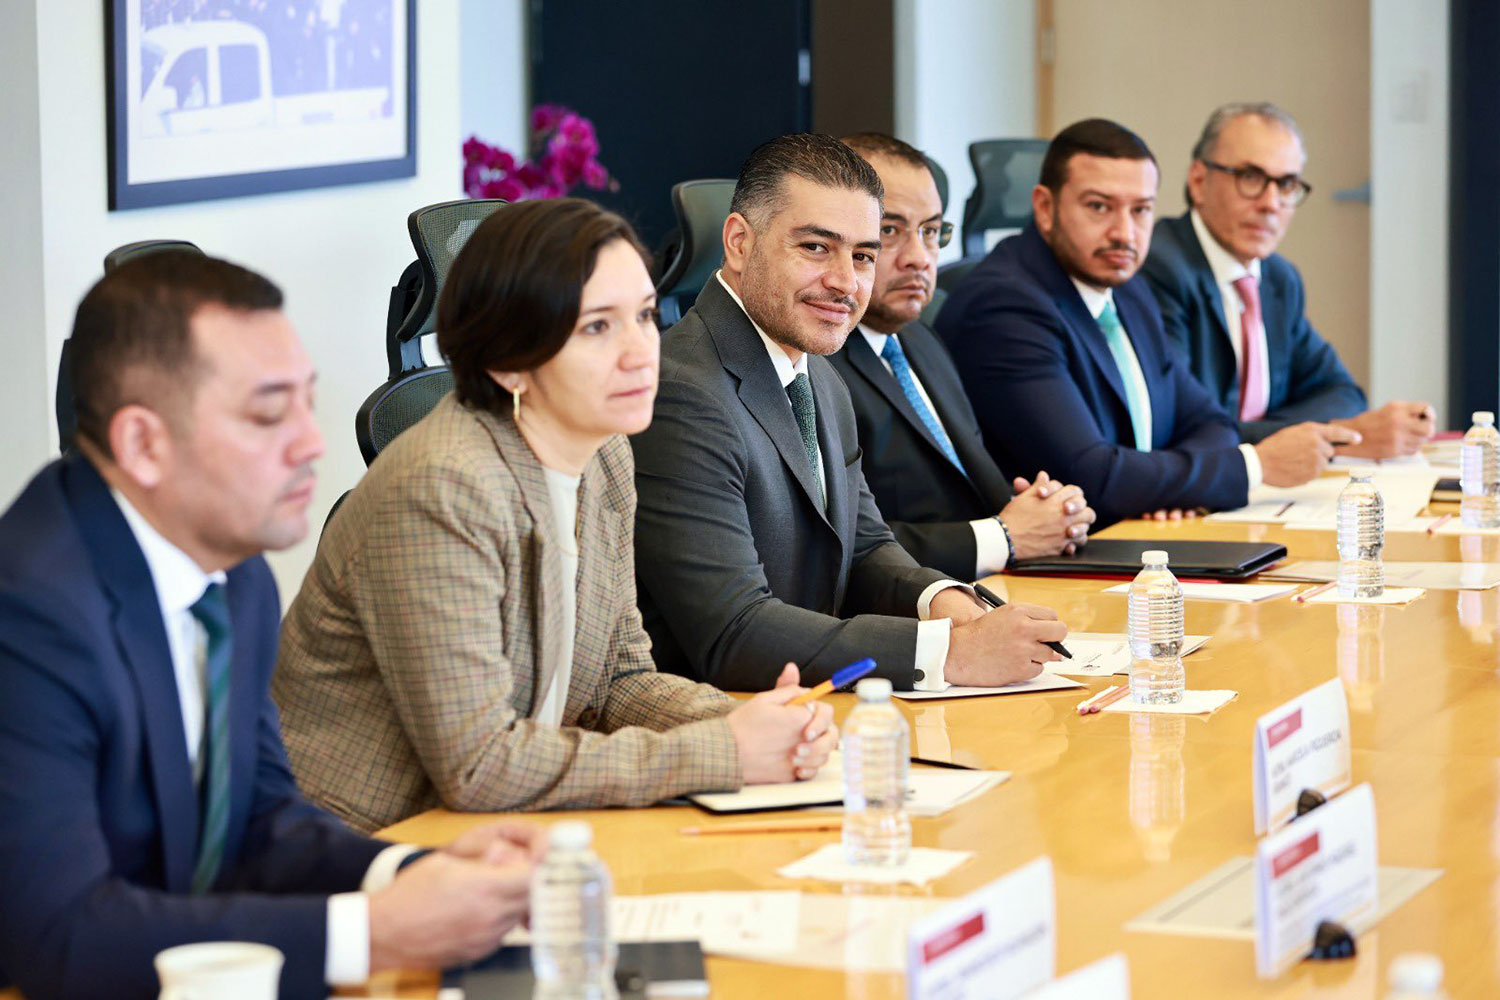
145,798
1237,309
945,499
1064,358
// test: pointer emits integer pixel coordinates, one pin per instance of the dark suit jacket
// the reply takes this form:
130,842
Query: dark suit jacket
1050,396
98,812
926,501
739,570
1308,381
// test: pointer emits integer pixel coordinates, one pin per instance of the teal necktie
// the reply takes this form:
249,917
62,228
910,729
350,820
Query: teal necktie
1135,398
212,612
799,391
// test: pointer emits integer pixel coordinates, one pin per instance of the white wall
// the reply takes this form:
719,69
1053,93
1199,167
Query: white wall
335,251
1409,204
965,70
493,64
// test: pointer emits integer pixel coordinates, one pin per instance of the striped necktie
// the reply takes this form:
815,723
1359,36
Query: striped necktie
1114,335
212,612
901,368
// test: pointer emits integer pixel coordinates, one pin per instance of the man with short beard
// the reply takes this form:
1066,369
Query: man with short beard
1062,351
757,541
945,499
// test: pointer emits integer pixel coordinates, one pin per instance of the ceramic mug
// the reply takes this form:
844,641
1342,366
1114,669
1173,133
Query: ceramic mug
219,970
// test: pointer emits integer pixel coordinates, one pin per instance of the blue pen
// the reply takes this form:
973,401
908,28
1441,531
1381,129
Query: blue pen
840,678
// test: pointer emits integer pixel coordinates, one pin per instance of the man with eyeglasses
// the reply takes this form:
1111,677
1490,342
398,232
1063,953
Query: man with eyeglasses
1238,309
941,493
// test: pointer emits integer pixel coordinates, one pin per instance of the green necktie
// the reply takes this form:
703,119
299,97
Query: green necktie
212,612
799,391
1135,399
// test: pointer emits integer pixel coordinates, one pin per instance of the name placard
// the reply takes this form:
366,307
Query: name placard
1321,867
1303,744
997,942
1106,979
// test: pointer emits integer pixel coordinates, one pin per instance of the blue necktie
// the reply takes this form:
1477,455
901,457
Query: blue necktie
1135,400
901,368
212,612
799,391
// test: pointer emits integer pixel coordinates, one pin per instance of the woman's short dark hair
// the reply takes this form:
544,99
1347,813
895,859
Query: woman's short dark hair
513,293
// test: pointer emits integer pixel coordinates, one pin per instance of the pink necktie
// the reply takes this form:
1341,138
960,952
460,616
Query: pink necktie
1255,387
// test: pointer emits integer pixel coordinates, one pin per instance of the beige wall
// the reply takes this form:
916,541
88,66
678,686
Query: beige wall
1160,66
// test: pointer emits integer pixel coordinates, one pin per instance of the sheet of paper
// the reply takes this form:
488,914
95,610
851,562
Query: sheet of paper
1041,682
1106,979
1452,526
861,929
1406,490
1238,593
1392,596
723,923
1428,575
930,791
923,865
1102,654
1192,703
1221,904
1302,744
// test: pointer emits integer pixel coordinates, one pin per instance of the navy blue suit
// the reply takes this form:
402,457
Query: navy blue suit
98,810
1049,395
1308,381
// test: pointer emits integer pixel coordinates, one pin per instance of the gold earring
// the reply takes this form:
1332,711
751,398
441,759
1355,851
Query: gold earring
515,400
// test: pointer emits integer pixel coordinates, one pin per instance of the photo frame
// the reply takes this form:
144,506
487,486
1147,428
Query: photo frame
225,98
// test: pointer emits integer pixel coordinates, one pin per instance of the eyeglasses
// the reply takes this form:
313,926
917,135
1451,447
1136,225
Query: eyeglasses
1251,182
934,235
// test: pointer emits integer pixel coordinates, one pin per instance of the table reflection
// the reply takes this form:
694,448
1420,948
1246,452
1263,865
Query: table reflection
1158,781
1361,653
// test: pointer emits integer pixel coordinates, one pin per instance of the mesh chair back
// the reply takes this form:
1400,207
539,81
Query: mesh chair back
1005,171
64,404
940,178
698,247
439,232
397,405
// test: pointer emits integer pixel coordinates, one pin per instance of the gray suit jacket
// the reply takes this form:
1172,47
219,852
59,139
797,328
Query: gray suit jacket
739,570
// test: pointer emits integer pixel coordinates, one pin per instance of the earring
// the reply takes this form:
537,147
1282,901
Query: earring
515,401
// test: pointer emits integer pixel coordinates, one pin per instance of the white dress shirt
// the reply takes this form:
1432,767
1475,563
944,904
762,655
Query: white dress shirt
990,545
563,492
179,583
932,635
1095,299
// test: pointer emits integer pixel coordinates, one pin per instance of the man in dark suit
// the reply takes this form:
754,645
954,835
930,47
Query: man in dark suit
1237,309
939,490
1064,358
757,540
146,800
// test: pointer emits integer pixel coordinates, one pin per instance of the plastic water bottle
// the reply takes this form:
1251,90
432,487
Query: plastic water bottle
877,830
1361,538
1479,473
573,949
1416,976
1155,618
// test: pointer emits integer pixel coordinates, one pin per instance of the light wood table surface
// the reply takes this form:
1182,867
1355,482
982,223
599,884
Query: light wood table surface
1133,809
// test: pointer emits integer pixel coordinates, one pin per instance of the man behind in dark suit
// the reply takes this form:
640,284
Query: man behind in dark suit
1238,310
146,800
757,540
939,490
1063,355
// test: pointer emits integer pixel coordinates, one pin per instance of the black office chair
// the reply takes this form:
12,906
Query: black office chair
65,406
695,249
1005,171
438,232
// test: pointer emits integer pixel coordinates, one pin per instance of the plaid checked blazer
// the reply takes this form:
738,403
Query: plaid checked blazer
427,628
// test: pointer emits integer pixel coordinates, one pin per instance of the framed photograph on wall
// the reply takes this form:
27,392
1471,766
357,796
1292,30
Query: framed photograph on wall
225,98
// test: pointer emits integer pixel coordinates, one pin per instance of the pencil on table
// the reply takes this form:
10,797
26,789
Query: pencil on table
810,825
1312,592
1109,699
1435,525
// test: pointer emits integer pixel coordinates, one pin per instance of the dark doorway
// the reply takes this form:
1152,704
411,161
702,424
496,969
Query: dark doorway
676,90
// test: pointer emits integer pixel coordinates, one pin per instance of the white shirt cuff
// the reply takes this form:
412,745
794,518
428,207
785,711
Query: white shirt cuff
347,962
991,547
1252,466
924,603
932,653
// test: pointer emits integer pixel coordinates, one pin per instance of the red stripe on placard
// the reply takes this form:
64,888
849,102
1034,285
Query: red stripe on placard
1284,728
1294,855
945,942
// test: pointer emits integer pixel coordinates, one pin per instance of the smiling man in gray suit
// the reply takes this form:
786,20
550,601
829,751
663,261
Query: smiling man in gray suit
757,539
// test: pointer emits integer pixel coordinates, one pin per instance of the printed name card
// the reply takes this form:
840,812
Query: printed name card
1106,979
997,942
1322,867
1303,744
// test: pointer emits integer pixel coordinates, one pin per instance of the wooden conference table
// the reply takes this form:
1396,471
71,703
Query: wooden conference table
1133,809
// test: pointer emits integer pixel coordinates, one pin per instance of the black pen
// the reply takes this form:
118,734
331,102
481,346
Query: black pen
993,600
931,762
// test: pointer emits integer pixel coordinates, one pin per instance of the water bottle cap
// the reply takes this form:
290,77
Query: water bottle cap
1417,972
1484,417
571,835
1154,557
873,689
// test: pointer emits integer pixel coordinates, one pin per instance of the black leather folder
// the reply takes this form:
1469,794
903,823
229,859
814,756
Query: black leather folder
1122,557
